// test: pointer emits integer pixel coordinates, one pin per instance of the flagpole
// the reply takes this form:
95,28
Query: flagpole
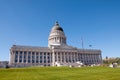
82,43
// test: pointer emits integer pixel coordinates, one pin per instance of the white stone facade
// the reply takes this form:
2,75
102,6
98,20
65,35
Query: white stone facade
57,51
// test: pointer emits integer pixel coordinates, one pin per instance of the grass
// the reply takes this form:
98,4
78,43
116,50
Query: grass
60,73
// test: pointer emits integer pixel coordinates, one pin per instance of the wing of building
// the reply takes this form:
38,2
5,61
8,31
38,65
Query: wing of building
57,51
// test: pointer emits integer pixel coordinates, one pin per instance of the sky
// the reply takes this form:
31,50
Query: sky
29,22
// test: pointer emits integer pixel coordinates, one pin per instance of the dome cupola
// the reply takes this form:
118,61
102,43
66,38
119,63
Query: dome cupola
57,27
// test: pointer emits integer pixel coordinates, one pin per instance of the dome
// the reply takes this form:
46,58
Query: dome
57,27
57,36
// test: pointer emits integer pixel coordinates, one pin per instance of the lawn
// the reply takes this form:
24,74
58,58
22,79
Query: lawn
60,73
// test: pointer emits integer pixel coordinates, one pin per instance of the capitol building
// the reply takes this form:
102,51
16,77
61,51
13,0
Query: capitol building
57,52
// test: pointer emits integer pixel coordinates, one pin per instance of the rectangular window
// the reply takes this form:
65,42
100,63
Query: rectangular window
33,61
40,53
36,56
36,61
58,53
25,52
48,57
24,61
28,61
28,57
24,56
33,53
48,61
40,57
44,61
29,53
20,56
44,57
16,52
48,53
44,53
16,60
20,52
40,61
36,53
20,60
33,57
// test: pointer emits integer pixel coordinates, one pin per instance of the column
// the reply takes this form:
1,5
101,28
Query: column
42,58
67,56
71,57
31,57
38,57
13,57
94,58
74,58
64,57
50,57
97,58
91,58
18,56
57,56
22,56
10,57
26,56
46,58
35,58
61,57
77,56
53,58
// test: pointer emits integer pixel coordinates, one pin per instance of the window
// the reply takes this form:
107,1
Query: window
40,61
29,53
40,57
33,53
20,56
58,56
29,57
16,60
25,52
16,52
20,52
44,53
36,61
28,61
58,53
24,60
32,56
32,61
36,53
44,57
36,56
48,57
44,61
40,53
20,60
48,61
48,53
24,56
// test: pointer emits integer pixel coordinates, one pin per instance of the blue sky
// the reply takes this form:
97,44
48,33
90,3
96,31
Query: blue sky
29,22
